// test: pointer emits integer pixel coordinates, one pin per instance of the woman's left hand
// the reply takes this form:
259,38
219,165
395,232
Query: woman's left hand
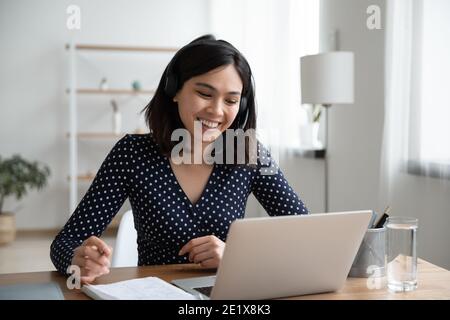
207,251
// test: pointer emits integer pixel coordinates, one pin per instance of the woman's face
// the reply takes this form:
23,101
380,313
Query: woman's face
212,99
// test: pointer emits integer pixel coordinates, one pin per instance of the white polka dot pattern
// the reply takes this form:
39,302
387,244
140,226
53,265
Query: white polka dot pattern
164,217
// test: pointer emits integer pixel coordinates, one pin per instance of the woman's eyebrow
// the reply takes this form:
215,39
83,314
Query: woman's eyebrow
202,84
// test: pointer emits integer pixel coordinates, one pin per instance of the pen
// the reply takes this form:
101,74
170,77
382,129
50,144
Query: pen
383,218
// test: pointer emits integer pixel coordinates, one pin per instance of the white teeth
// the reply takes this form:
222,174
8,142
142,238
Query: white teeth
208,123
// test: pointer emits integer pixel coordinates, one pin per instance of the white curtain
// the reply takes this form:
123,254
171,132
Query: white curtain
432,150
417,100
273,35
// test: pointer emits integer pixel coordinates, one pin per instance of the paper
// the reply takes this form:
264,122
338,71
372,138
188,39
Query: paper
150,288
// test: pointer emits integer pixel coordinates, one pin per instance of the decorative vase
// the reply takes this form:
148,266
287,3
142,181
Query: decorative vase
136,85
309,136
104,84
7,228
117,122
315,135
117,118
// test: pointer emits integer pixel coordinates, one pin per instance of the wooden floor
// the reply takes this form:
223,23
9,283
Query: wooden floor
30,252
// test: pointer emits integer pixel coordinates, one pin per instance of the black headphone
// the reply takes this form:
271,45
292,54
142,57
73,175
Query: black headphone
171,79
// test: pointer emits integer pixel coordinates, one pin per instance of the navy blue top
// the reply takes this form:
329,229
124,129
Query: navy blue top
164,217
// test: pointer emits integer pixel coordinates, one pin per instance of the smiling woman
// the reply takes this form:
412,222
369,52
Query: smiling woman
182,212
205,98
208,80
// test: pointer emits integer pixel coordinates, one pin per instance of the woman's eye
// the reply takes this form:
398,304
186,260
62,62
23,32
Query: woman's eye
204,94
231,102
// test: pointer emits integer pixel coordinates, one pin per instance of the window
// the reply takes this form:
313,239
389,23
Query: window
429,132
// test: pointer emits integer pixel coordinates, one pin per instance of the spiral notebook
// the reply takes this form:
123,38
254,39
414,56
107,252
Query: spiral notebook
150,288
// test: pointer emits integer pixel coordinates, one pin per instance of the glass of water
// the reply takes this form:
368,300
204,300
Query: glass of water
401,253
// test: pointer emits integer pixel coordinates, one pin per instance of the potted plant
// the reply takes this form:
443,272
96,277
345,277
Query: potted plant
316,112
17,177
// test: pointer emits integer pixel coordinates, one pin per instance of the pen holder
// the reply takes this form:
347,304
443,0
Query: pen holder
370,259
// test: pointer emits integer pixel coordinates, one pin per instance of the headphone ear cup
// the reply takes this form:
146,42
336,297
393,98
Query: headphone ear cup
242,104
242,114
170,86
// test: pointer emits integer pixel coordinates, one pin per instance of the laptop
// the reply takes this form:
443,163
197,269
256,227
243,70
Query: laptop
31,291
274,257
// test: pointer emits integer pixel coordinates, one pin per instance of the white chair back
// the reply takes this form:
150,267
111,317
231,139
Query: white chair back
125,252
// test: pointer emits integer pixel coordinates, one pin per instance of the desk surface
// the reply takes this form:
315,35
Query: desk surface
433,282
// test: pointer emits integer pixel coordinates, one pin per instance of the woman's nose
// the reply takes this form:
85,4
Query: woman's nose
215,107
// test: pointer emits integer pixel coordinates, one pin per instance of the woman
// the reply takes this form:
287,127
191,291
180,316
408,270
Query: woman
182,209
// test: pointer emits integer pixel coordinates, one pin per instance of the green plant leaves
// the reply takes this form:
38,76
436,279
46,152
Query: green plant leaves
18,176
317,111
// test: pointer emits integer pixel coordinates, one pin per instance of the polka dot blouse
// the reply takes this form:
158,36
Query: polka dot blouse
164,217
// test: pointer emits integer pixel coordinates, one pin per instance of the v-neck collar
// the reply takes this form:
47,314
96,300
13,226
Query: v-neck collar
186,198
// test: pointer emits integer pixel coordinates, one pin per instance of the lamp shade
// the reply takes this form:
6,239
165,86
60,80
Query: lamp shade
327,78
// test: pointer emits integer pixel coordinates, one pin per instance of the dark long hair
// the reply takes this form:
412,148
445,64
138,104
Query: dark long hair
198,57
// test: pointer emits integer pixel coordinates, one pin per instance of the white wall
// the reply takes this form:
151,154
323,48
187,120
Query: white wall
33,78
355,130
356,138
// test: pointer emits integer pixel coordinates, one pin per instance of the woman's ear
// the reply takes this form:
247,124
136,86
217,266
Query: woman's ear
175,99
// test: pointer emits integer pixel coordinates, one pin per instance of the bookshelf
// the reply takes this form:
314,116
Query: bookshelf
74,91
97,135
101,47
112,91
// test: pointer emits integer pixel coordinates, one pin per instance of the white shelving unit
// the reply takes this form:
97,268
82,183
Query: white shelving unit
73,91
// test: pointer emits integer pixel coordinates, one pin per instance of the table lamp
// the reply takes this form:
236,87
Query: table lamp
327,79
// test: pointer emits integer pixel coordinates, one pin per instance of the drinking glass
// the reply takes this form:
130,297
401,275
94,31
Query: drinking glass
401,253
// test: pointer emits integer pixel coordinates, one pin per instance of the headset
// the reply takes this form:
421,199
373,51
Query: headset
171,79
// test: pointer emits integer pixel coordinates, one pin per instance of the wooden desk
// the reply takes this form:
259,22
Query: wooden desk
433,282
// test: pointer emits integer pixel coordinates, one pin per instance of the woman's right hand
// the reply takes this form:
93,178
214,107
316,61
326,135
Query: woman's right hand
94,259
